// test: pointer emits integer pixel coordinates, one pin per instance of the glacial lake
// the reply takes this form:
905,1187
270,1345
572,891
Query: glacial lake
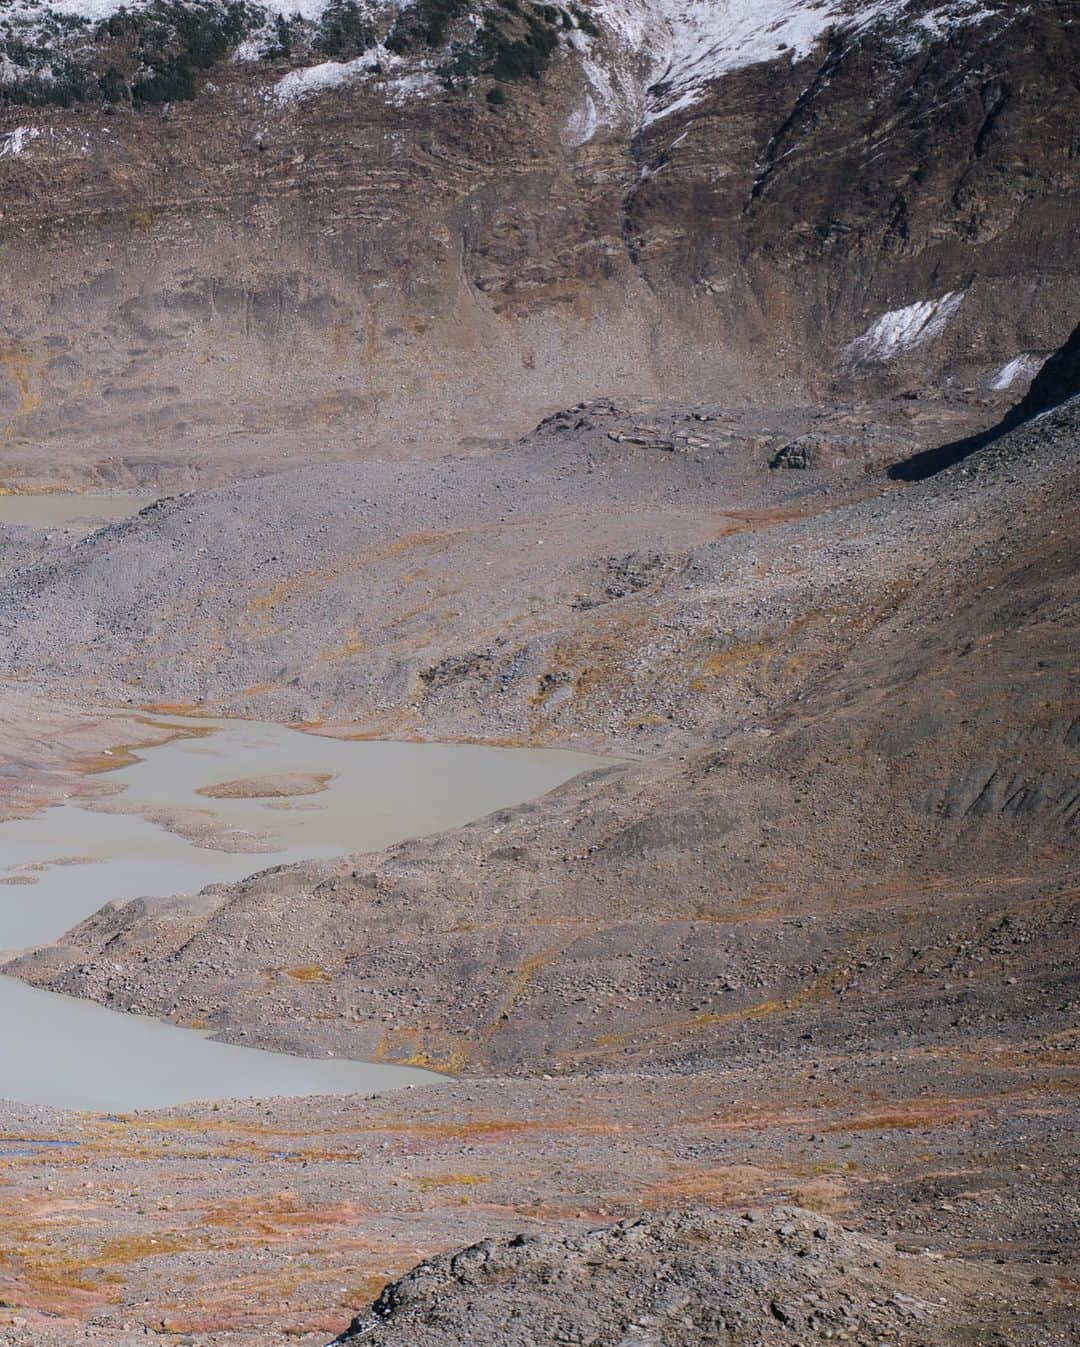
66,861
56,509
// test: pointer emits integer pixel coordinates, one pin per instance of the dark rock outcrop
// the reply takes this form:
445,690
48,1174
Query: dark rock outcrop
684,1279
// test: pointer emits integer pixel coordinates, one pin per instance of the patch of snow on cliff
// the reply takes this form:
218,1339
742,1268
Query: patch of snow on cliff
602,100
251,49
417,85
698,41
1023,366
306,9
902,330
942,22
616,65
318,79
15,141
583,123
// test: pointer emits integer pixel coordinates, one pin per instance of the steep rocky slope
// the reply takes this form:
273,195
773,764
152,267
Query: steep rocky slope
248,242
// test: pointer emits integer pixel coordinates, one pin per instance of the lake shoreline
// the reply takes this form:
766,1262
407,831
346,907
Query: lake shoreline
203,806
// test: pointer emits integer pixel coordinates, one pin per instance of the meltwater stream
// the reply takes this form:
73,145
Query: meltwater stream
65,862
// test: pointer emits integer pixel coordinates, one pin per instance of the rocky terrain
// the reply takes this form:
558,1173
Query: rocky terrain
469,594
689,1277
279,1222
692,384
833,911
871,709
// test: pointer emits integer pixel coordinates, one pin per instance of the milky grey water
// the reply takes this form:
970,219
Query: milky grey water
55,509
63,863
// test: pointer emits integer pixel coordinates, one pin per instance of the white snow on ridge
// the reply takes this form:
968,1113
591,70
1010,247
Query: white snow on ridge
694,42
902,330
943,21
616,74
698,41
15,141
1023,366
653,58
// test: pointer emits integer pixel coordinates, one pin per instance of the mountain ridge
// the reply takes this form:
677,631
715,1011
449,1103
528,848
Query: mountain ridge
220,282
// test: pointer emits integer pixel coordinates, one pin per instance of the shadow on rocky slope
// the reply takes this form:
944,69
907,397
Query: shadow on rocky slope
1055,383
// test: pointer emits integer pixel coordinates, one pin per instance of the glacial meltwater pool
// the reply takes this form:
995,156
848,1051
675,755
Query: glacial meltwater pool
56,509
316,797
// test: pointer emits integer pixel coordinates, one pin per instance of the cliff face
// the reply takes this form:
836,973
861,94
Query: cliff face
394,229
900,204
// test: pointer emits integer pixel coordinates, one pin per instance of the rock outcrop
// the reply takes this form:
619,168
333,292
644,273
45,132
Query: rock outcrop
689,1279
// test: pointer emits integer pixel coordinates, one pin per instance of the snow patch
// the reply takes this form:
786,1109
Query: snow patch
1023,366
902,330
942,22
699,41
616,70
318,79
406,87
251,49
583,123
15,141
690,43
